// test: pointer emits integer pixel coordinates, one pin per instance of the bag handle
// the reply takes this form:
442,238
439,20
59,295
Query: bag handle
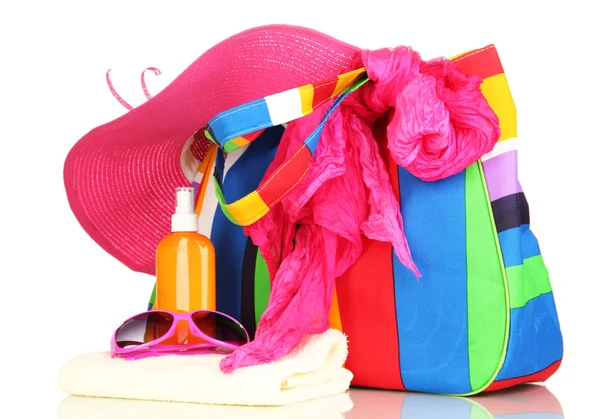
240,126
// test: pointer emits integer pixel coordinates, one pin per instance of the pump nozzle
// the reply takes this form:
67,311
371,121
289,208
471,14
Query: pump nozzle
185,218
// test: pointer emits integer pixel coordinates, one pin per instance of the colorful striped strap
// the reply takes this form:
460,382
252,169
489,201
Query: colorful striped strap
243,123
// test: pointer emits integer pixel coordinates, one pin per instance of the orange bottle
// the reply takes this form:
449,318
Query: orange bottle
185,267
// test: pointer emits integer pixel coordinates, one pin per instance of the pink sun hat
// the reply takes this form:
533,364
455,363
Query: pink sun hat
120,176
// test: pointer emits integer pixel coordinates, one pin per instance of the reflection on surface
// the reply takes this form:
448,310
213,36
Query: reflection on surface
98,408
526,402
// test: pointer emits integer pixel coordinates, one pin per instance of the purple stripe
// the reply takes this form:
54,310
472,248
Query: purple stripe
196,186
501,175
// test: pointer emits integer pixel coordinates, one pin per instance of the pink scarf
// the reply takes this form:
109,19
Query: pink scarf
439,124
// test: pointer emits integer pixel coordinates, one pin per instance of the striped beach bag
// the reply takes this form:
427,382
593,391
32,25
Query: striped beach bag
481,318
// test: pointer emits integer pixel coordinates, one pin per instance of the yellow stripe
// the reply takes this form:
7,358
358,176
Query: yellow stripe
246,210
335,320
209,153
307,94
241,141
496,91
344,80
204,168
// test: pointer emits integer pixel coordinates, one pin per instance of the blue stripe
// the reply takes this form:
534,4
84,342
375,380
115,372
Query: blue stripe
220,165
229,239
517,244
430,406
432,311
313,139
240,120
535,340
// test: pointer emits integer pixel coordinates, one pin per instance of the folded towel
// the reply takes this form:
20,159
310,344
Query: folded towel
75,407
314,369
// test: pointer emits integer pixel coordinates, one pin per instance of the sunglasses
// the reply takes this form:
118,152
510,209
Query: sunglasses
160,332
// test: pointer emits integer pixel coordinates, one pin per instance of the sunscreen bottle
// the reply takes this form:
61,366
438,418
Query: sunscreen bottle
185,267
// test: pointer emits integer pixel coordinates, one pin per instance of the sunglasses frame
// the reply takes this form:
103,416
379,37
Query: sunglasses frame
153,348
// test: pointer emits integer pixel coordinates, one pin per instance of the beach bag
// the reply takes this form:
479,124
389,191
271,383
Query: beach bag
481,318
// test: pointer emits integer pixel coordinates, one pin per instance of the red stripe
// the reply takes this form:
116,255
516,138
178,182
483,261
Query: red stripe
538,377
380,133
253,135
323,91
368,310
285,177
483,62
376,404
525,399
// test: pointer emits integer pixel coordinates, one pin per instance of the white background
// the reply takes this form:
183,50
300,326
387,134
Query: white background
60,294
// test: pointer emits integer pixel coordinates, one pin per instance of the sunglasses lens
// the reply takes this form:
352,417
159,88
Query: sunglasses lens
143,328
220,327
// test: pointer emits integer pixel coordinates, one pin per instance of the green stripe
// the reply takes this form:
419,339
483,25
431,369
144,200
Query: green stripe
262,286
207,135
527,281
222,203
152,297
359,82
230,146
486,293
479,412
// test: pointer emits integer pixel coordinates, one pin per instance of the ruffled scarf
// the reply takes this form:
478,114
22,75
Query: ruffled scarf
439,123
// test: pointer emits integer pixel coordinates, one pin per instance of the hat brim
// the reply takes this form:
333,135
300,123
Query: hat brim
120,177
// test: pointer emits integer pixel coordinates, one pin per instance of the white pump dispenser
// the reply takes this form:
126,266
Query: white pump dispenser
185,218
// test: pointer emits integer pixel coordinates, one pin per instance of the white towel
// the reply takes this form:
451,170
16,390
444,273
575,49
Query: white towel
314,369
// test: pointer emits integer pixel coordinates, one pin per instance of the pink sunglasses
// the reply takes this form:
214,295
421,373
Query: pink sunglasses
152,334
